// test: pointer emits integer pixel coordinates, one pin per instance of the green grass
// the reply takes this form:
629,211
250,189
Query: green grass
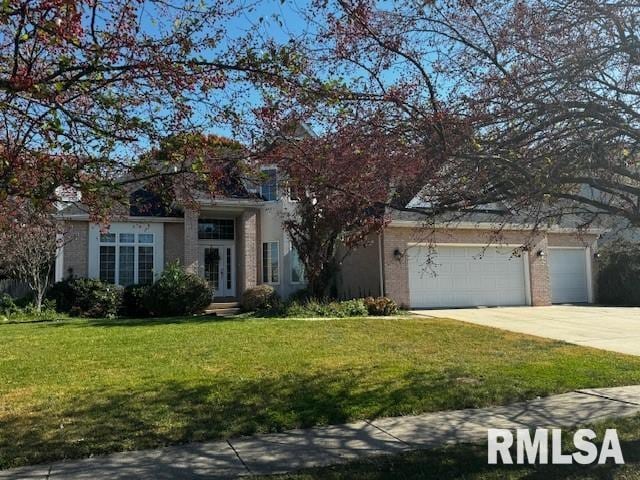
469,462
79,387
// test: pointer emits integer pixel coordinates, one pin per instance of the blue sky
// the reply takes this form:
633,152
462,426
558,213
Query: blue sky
269,20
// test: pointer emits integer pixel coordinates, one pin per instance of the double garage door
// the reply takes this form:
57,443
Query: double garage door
463,276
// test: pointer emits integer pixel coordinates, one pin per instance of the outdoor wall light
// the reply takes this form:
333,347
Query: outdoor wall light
541,253
397,254
596,255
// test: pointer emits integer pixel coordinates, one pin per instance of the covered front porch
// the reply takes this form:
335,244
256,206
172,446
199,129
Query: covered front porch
221,245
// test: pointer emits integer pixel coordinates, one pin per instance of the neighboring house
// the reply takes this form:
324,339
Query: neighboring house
238,241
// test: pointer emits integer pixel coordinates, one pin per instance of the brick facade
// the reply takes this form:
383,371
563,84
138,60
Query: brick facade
173,243
191,240
248,243
76,250
539,271
396,270
360,271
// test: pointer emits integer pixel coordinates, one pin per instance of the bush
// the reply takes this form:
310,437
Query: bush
381,306
7,305
133,303
63,294
301,296
177,292
315,308
619,274
260,298
86,297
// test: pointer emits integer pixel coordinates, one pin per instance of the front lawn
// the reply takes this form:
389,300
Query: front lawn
81,387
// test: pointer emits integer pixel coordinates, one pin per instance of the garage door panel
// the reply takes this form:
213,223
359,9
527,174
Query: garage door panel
466,276
568,275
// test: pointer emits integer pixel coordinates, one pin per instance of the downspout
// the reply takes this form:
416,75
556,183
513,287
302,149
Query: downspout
381,274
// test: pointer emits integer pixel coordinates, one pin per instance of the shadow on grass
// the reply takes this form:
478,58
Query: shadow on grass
467,461
80,424
95,421
172,413
148,322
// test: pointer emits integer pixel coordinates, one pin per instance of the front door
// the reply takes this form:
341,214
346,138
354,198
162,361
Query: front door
217,267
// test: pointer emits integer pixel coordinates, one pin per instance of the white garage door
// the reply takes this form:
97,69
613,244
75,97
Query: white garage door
568,275
466,276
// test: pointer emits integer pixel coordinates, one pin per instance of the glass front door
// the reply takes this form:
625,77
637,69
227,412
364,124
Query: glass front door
217,266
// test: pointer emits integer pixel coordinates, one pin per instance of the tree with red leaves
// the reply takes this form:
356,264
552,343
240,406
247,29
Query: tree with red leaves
87,85
544,97
340,183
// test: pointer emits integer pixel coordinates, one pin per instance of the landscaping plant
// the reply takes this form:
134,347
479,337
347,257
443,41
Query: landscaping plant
86,297
177,292
259,298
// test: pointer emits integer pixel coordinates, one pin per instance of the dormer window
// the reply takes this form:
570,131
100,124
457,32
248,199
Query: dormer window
269,187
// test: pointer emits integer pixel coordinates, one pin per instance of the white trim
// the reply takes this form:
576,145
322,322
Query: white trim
238,203
492,226
466,244
380,265
157,229
291,250
79,217
222,247
59,268
528,294
270,271
589,260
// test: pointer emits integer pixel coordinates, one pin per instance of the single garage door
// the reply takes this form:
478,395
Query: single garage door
466,276
568,275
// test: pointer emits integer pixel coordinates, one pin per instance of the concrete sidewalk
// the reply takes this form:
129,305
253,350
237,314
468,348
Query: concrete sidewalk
293,450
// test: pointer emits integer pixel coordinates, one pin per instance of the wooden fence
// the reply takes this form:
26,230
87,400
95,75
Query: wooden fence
14,288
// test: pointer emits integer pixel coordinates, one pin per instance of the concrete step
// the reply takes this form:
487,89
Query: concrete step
215,305
223,310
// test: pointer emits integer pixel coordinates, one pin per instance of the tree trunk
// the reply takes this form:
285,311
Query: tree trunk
38,300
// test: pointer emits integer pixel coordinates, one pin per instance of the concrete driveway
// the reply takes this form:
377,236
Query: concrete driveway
609,328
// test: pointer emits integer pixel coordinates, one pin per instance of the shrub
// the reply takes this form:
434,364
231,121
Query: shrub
302,296
619,274
7,305
177,292
315,308
86,297
47,310
133,301
63,294
259,298
381,306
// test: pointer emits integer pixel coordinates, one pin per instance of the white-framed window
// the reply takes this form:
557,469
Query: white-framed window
269,187
297,268
126,258
127,254
271,262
